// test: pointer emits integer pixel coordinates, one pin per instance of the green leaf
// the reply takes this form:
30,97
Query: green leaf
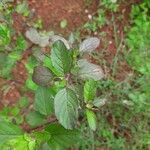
99,102
31,63
63,23
88,70
89,44
90,88
21,43
4,35
43,101
7,67
35,119
38,54
61,138
23,142
42,136
55,38
61,58
42,76
15,111
35,37
48,63
38,24
24,102
66,108
91,118
8,131
78,89
30,84
22,8
15,55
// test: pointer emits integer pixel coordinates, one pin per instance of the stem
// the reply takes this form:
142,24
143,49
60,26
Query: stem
92,140
41,126
118,45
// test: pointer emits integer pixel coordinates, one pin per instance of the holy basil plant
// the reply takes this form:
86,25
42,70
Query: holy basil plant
60,72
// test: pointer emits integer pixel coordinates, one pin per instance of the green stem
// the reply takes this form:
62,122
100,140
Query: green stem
92,139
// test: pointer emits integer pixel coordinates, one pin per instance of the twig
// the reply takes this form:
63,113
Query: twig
119,45
41,127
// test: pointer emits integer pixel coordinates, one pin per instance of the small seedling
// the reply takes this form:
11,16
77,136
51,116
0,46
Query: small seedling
63,24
